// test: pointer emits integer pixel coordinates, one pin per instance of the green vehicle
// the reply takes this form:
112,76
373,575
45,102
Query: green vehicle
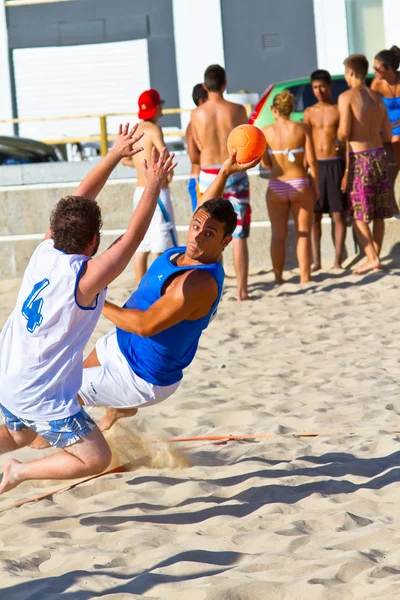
303,98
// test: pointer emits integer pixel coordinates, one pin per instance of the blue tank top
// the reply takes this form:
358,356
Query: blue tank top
393,108
161,358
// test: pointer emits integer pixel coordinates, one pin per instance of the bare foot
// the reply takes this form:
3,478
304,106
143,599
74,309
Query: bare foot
39,443
279,281
373,265
337,266
315,267
114,414
10,475
242,296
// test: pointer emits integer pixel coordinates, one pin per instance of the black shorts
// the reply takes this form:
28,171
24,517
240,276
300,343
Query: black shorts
331,199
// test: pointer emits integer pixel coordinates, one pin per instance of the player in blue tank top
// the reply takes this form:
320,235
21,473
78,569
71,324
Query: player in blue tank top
141,361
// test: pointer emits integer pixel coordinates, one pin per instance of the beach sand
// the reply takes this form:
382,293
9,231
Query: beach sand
284,517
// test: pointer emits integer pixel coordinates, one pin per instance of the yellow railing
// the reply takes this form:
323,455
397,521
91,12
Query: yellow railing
103,137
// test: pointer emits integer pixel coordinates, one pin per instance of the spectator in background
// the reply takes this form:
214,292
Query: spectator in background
199,96
290,149
387,84
161,234
323,119
364,125
212,123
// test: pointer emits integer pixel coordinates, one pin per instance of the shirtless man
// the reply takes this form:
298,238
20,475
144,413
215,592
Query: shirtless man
323,119
365,125
199,96
161,234
212,123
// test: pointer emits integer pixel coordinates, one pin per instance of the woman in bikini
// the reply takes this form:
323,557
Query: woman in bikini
387,84
289,150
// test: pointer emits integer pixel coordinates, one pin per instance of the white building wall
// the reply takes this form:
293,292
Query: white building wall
5,83
391,22
198,43
331,34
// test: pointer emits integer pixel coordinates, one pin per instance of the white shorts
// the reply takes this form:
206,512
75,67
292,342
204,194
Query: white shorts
114,384
159,236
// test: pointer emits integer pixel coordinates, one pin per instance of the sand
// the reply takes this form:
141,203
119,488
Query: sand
283,517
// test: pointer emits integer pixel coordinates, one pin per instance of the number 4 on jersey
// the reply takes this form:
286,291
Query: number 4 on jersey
31,308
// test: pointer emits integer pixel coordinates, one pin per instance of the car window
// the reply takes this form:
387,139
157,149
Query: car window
339,86
297,90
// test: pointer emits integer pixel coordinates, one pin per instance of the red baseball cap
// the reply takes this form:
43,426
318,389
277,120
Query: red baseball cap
148,102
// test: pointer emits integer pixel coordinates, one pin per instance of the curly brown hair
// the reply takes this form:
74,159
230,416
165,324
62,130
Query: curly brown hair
74,222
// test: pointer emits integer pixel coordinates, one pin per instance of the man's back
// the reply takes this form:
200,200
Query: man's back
365,117
212,123
42,341
152,138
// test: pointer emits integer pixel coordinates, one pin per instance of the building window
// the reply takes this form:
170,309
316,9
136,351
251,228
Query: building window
365,30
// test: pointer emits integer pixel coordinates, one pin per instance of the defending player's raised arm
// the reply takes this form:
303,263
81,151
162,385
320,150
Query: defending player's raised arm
94,181
345,121
193,292
229,167
105,268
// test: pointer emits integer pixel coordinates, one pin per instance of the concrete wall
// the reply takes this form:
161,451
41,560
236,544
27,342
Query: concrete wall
267,41
25,213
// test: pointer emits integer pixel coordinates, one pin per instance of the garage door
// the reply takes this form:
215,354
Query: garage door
78,80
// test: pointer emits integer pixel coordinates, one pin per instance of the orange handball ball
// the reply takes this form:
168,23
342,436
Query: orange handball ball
249,142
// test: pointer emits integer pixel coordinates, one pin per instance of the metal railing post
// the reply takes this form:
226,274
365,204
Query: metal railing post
103,135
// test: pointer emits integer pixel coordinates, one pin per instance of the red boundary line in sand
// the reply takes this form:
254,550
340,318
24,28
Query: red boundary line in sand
217,440
118,469
221,439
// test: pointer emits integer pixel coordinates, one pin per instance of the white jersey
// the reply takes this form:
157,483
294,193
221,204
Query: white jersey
42,342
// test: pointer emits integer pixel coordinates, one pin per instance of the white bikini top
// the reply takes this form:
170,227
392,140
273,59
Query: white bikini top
290,153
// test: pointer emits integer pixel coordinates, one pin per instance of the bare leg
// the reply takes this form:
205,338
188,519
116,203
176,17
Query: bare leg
378,231
278,211
365,238
303,211
140,264
89,456
241,264
316,233
339,221
13,440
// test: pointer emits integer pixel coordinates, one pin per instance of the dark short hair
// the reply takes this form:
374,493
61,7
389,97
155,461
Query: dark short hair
198,93
321,75
357,63
74,222
222,210
214,78
389,58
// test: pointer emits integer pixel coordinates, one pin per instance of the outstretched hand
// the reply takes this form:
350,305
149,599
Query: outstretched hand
159,169
232,166
126,139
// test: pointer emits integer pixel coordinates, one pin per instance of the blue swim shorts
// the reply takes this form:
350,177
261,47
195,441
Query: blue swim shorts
59,433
